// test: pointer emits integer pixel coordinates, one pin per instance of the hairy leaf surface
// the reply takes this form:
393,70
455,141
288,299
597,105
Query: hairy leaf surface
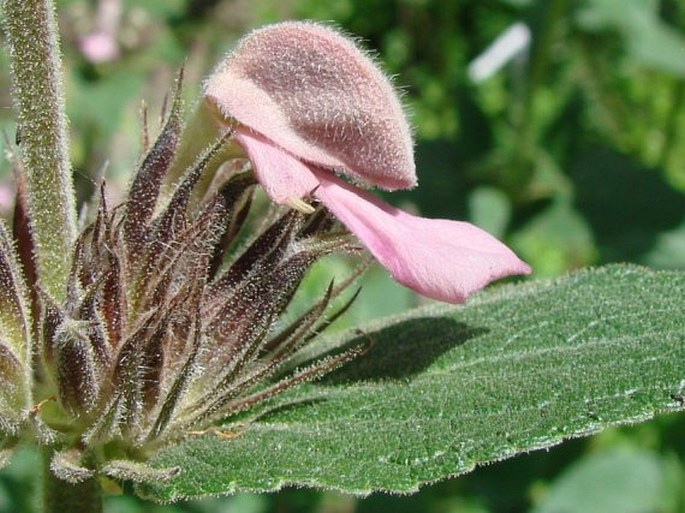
444,389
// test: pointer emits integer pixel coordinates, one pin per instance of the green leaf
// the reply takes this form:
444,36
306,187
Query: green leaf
556,239
649,41
626,479
447,388
617,204
668,251
490,209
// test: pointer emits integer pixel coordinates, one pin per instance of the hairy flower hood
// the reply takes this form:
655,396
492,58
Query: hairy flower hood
310,104
311,90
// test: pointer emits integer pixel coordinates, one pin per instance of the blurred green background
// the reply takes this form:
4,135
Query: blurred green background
573,152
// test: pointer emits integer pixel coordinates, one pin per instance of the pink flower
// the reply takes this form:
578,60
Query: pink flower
309,105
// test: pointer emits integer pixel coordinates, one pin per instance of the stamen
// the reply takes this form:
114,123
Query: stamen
300,205
36,408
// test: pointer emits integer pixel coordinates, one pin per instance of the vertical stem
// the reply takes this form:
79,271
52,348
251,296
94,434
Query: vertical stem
548,15
671,126
38,94
60,496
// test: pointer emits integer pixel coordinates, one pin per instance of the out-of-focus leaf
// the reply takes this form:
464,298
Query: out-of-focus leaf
159,8
668,251
490,209
648,40
99,106
444,389
626,206
556,239
517,3
15,495
625,480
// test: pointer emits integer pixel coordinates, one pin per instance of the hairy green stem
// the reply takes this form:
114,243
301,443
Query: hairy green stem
38,94
60,496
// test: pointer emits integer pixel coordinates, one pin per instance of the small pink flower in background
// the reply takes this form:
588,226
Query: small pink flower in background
309,105
99,47
101,44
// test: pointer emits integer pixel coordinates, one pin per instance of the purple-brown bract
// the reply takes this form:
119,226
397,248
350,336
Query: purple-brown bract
310,105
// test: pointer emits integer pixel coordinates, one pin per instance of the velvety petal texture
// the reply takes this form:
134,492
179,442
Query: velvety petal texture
282,175
438,258
320,97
